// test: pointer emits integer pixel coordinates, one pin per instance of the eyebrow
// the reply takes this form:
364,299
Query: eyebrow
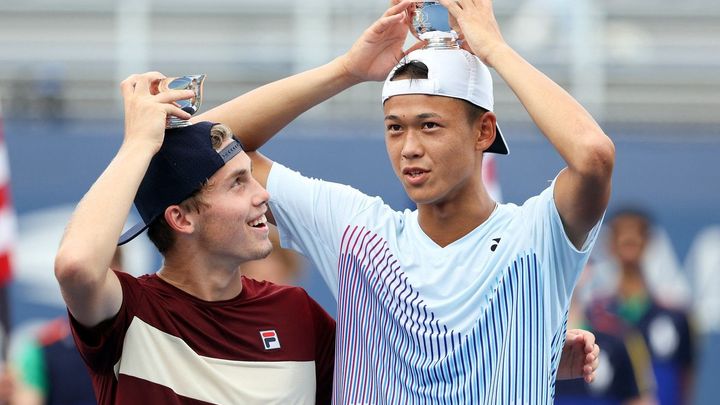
238,173
420,116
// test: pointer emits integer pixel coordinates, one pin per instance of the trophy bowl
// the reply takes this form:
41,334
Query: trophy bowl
430,21
191,105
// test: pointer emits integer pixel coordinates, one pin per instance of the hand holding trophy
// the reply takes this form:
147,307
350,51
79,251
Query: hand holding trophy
191,105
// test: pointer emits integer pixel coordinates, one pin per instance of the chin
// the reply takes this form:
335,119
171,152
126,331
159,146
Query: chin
257,252
421,197
265,250
416,195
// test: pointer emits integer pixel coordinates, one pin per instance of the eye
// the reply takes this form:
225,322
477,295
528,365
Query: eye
430,125
393,128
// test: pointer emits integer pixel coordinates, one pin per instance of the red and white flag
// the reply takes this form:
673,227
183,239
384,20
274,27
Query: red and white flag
7,214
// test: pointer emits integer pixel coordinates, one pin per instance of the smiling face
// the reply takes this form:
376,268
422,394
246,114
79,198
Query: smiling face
232,221
432,146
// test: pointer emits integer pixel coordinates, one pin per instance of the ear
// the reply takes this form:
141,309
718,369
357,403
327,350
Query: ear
485,130
179,219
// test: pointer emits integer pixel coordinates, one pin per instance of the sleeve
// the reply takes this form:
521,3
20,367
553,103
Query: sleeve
311,216
561,261
100,346
324,352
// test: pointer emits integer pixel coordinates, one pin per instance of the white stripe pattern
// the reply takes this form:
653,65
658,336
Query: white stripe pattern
153,355
393,349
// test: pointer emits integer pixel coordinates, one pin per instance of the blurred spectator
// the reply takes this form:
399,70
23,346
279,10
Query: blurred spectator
703,265
48,369
662,272
282,266
624,374
51,369
666,331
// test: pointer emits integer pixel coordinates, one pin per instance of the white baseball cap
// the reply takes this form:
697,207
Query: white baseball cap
452,73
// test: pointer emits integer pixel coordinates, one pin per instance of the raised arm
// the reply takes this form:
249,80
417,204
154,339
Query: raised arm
258,115
91,291
582,190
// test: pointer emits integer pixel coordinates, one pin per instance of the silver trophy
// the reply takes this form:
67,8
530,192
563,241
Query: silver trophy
431,22
191,105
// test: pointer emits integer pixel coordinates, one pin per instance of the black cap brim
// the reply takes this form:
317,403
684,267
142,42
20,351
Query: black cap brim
131,233
498,146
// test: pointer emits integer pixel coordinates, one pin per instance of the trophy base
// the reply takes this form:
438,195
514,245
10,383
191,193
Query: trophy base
440,40
175,122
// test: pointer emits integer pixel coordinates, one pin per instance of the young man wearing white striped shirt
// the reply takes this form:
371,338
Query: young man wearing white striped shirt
463,300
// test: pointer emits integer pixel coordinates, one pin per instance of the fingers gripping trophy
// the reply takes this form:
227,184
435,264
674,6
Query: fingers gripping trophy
191,105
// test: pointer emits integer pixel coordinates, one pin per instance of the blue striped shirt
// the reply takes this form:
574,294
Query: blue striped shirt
479,321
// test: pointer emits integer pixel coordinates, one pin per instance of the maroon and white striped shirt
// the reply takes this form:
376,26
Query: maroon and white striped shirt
270,344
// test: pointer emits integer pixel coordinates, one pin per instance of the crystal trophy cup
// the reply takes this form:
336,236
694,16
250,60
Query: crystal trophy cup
191,105
430,21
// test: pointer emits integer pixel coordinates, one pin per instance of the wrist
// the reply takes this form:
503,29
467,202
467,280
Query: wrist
497,53
345,73
139,148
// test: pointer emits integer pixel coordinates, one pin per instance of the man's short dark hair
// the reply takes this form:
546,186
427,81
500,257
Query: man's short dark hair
632,212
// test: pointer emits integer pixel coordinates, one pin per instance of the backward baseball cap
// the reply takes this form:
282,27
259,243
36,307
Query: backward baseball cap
185,161
452,73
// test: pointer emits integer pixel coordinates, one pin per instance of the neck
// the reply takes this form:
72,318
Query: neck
204,279
632,283
450,220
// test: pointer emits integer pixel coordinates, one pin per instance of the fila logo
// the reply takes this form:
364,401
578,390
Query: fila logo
495,245
270,339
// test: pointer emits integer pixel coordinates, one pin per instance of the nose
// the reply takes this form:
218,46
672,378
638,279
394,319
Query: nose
261,195
412,147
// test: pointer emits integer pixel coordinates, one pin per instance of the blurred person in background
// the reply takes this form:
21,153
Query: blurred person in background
624,375
667,331
398,275
48,369
703,266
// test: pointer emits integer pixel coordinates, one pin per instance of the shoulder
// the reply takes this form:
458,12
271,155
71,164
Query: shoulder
258,289
660,313
284,182
543,199
132,285
282,298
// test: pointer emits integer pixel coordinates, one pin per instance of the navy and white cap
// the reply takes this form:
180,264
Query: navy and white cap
185,161
452,73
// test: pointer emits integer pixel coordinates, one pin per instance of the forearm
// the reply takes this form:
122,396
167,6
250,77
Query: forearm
564,122
258,115
90,239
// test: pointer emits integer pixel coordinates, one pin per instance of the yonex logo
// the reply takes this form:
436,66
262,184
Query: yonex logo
270,339
495,245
